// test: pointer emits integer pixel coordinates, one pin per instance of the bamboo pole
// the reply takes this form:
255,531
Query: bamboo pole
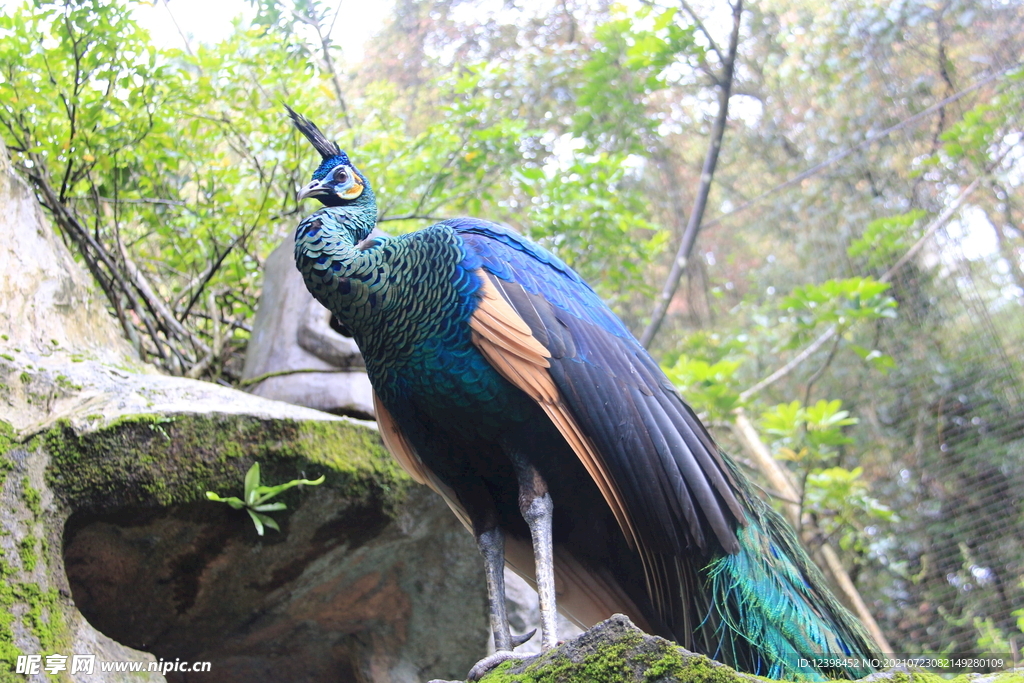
781,481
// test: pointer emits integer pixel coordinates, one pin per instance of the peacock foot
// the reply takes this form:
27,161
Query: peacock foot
481,668
489,662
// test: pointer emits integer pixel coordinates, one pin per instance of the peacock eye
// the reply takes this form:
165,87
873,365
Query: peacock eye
340,175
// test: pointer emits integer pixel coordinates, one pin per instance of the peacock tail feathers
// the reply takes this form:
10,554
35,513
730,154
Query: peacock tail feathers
771,599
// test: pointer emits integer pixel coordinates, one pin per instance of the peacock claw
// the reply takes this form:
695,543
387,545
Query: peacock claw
481,668
519,640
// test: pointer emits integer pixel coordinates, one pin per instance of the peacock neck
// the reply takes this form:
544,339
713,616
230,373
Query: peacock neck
347,277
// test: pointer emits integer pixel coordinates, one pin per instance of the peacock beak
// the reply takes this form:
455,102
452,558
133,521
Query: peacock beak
314,189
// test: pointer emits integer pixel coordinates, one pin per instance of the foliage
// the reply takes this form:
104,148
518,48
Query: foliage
168,171
592,214
629,63
836,302
886,239
254,498
713,387
838,497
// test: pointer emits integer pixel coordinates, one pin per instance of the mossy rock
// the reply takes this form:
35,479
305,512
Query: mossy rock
159,460
616,651
368,569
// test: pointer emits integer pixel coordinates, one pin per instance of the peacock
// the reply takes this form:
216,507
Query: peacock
504,383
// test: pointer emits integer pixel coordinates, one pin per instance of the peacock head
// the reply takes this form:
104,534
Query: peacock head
336,182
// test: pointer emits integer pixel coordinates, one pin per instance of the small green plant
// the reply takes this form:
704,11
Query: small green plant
256,497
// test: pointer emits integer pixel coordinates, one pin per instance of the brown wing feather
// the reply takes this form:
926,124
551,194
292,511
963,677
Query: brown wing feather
507,343
583,594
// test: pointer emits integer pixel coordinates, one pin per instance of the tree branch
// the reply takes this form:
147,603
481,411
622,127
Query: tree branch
930,230
707,174
218,261
325,44
866,142
704,30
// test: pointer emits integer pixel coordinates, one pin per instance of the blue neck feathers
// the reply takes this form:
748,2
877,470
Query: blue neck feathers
345,278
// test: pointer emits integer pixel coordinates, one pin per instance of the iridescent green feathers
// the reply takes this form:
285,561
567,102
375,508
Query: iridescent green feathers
771,596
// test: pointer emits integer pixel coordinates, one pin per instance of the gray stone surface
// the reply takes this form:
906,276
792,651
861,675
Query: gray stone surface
46,308
347,591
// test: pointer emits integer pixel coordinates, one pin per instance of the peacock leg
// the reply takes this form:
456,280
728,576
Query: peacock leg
492,547
538,511
537,508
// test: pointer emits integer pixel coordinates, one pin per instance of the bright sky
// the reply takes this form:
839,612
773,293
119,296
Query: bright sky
208,21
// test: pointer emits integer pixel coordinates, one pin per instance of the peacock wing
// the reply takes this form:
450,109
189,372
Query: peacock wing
543,328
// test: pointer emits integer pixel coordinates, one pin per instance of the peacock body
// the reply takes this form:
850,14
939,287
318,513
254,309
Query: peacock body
501,378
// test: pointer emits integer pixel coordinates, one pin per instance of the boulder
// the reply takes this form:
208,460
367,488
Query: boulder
616,651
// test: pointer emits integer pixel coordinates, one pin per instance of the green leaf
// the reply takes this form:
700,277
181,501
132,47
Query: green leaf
785,419
257,520
234,502
886,239
875,358
270,507
252,483
267,492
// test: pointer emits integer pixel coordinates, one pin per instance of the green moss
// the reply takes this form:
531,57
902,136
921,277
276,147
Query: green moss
7,442
355,453
25,377
27,552
8,650
7,437
652,660
6,356
44,616
630,657
698,669
158,461
31,497
618,654
65,383
607,665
